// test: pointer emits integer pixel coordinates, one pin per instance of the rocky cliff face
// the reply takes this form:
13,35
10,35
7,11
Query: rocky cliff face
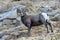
9,31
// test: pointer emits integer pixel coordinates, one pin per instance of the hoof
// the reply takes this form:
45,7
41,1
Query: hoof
52,31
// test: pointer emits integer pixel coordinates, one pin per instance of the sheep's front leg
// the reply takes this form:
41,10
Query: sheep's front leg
29,28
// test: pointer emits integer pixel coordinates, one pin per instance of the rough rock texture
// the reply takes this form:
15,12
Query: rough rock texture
12,32
39,33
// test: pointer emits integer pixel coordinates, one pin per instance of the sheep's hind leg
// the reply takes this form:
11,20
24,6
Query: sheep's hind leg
47,28
50,27
49,23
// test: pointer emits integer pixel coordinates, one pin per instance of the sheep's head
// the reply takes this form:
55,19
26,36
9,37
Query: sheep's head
21,12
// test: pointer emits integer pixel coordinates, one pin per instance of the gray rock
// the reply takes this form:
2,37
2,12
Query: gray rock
2,33
6,21
14,21
51,14
1,24
13,14
5,37
18,18
56,17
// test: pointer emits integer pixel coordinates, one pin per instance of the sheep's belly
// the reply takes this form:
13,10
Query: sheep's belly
36,23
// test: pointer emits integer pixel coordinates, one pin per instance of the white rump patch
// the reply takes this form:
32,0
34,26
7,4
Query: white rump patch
45,16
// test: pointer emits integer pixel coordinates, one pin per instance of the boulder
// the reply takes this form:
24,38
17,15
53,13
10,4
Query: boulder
56,17
6,21
13,14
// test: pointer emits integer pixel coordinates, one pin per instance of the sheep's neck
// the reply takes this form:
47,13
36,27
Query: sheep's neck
23,18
